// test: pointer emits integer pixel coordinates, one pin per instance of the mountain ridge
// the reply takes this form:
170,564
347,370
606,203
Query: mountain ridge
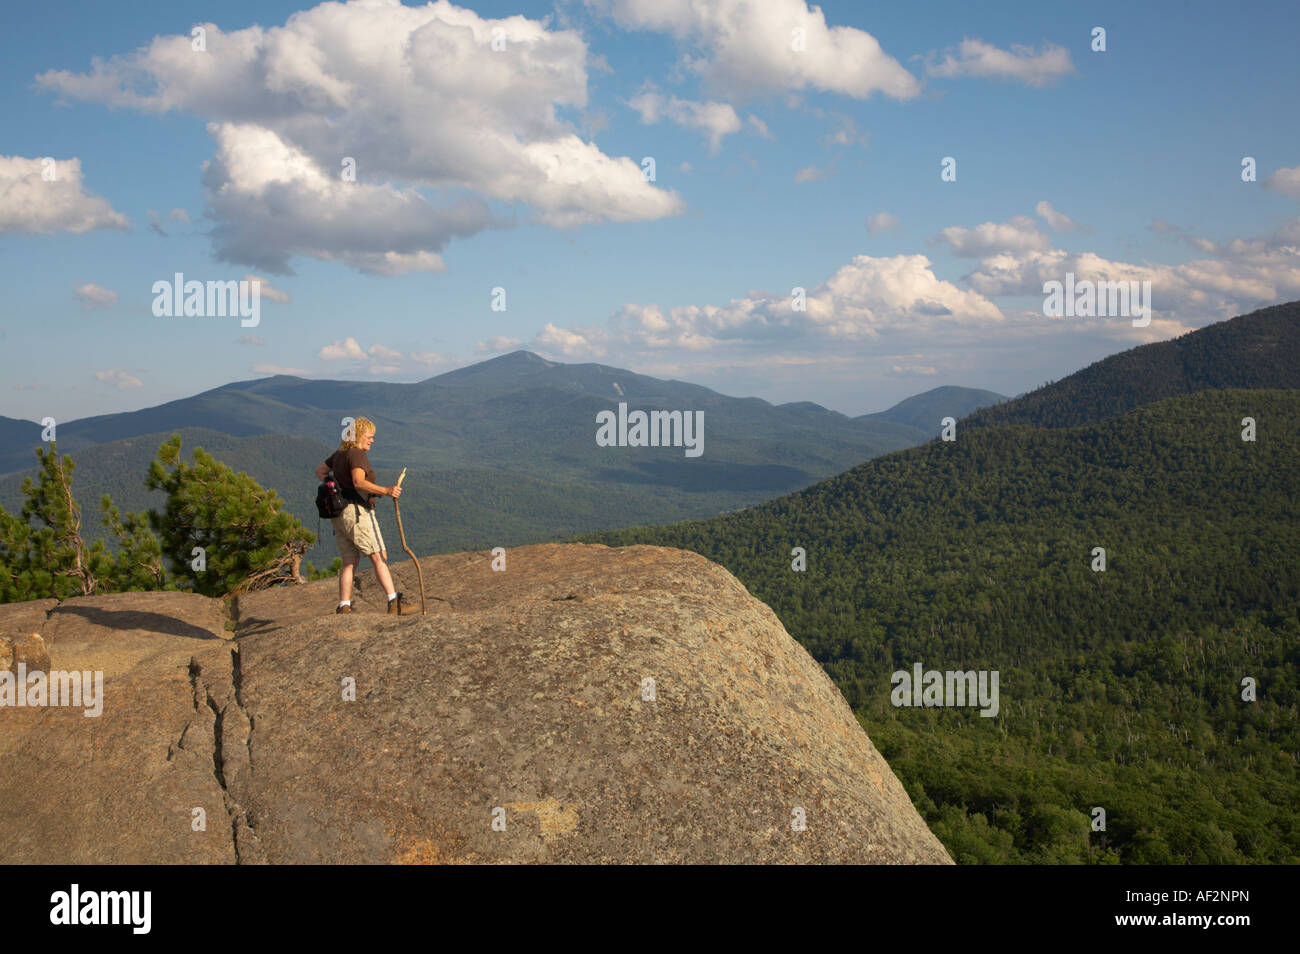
1265,343
505,436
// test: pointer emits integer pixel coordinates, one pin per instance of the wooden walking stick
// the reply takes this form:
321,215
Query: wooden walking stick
402,533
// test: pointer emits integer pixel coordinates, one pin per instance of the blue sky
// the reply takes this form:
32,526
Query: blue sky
521,168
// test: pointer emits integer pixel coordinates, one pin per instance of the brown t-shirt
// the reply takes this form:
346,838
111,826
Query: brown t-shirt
341,463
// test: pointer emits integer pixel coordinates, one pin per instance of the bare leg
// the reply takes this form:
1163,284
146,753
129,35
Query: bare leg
381,572
345,580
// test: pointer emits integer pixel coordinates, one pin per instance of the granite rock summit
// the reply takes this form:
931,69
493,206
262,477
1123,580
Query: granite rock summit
586,704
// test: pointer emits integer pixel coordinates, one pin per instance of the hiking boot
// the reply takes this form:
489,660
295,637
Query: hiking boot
342,609
395,605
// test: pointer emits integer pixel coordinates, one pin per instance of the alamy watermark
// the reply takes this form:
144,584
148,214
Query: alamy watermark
1089,299
194,299
656,429
935,688
55,688
75,906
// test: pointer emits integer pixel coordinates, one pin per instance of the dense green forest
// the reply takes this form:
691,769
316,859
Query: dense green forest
1120,689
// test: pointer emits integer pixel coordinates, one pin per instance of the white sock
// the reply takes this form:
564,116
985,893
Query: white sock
392,596
346,603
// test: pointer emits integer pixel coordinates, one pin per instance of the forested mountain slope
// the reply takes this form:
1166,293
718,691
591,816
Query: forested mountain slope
1120,689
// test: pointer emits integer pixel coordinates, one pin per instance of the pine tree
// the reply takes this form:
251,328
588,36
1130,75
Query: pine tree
223,532
52,559
17,581
56,557
139,564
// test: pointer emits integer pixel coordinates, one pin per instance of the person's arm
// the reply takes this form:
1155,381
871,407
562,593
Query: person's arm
366,487
322,471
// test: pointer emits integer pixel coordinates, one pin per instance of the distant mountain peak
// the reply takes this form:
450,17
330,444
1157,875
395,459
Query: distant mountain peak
497,370
926,409
529,358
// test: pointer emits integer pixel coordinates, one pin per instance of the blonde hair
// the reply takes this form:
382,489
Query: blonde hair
361,426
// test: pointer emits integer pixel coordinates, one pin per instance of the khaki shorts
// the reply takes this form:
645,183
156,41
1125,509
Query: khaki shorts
356,531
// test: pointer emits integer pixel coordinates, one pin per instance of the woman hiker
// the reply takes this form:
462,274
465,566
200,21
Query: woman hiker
357,529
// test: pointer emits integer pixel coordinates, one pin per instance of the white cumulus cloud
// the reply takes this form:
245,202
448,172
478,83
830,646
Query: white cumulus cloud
496,344
1286,181
93,296
1241,275
1021,63
1057,220
119,379
42,197
345,350
430,359
413,100
862,299
744,47
267,290
379,359
714,119
811,174
569,342
882,222
1020,234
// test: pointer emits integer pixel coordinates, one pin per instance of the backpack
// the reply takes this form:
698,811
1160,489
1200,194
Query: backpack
329,498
